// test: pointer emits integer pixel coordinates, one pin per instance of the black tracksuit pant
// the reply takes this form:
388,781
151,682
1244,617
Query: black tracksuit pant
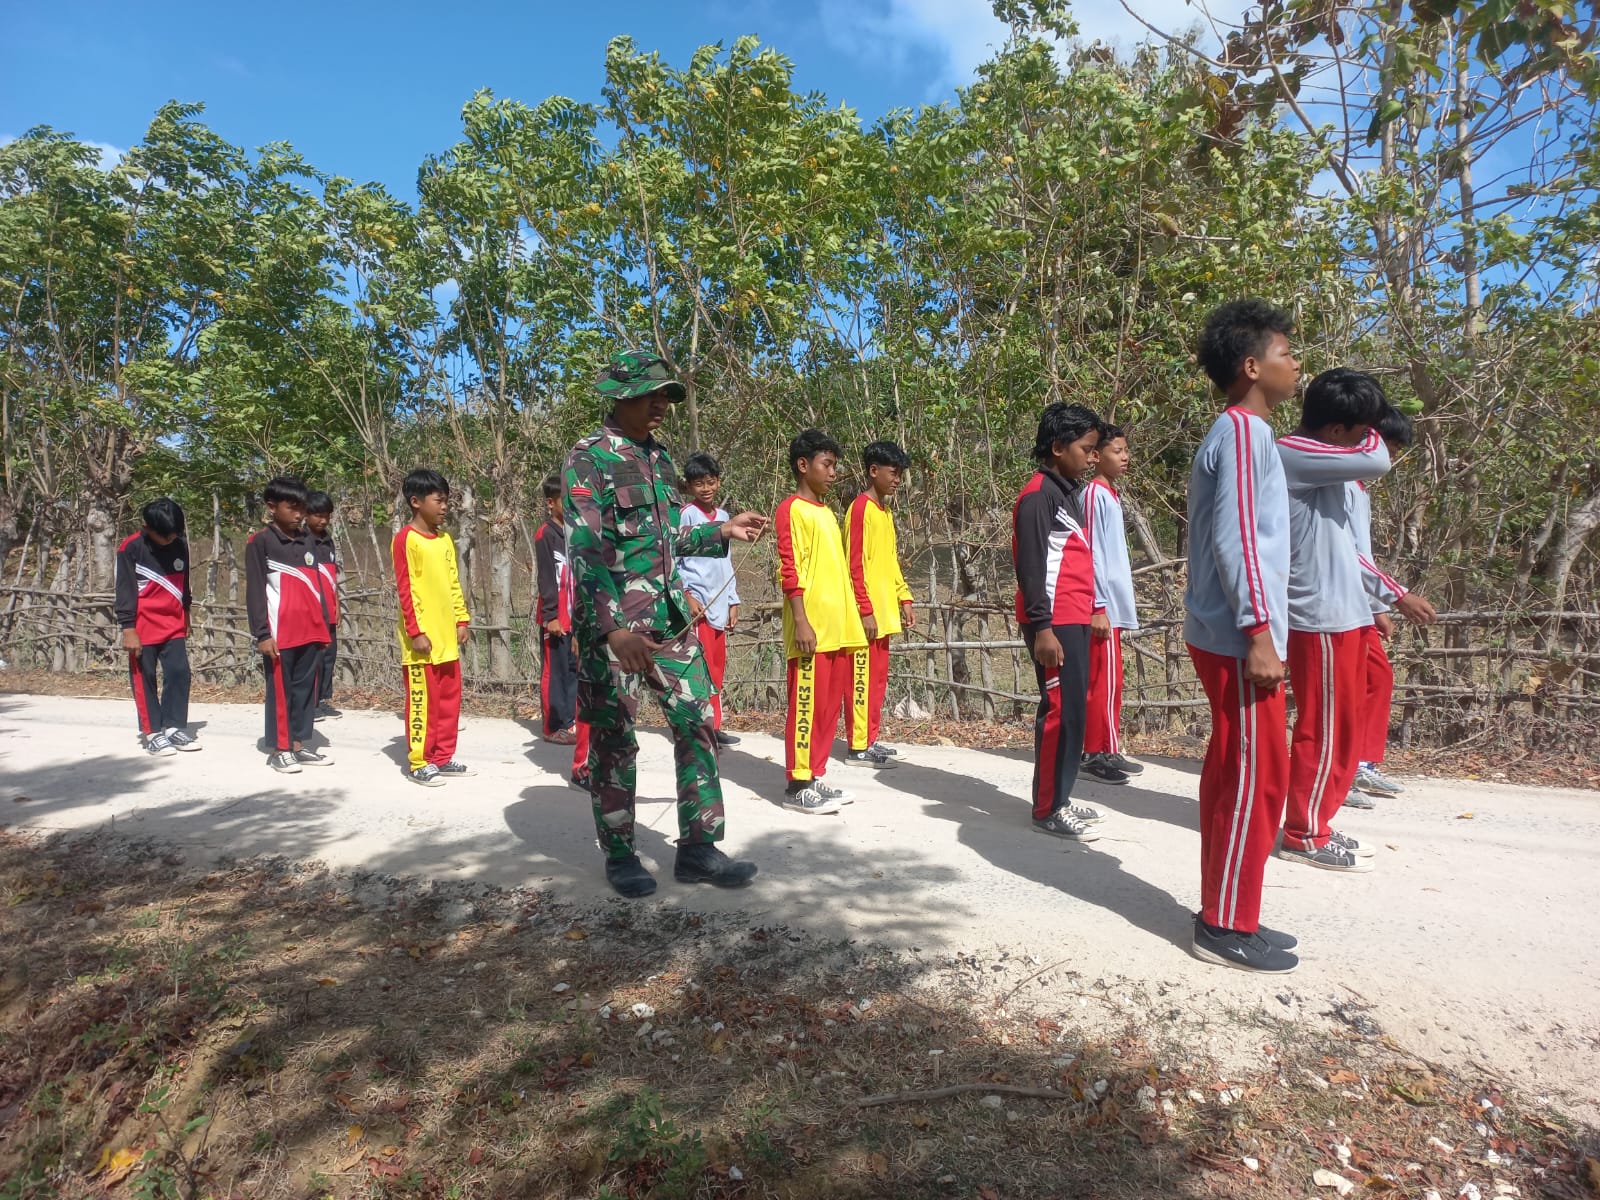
330,652
166,707
1058,727
558,682
291,694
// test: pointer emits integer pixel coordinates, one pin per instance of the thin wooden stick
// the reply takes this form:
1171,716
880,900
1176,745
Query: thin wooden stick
957,1089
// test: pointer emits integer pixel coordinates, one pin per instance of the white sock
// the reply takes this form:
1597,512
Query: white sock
170,730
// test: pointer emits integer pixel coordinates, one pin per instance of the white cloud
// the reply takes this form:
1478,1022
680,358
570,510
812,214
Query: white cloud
109,155
961,34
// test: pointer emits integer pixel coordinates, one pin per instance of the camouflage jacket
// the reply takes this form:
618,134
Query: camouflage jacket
620,503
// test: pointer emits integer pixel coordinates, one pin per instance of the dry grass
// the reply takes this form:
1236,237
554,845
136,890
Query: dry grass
269,1030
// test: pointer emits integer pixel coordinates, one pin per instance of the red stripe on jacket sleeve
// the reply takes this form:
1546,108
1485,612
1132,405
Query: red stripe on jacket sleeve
402,581
788,574
858,541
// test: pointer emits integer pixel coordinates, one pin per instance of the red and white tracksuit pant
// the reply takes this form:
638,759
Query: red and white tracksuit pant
1327,673
817,684
714,645
1102,720
1243,782
1379,698
433,712
869,684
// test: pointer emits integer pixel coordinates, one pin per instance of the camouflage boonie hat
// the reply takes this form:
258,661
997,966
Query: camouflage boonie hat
635,373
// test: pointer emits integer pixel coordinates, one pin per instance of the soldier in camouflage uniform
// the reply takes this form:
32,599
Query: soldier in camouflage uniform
631,621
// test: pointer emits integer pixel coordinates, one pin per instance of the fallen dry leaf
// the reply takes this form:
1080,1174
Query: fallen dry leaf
120,1163
879,1163
475,1156
576,935
1341,1077
1466,816
327,981
389,1151
353,1136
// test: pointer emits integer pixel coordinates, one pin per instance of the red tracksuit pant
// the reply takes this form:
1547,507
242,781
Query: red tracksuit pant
1327,672
1379,698
1243,781
817,684
869,684
714,645
1103,718
433,712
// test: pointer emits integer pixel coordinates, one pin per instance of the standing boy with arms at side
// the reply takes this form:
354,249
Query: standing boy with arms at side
881,595
558,674
434,623
1384,594
152,607
1055,594
284,602
319,518
821,628
1113,612
709,582
1328,611
1236,628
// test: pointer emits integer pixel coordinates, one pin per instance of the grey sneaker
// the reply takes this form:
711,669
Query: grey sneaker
808,800
890,751
1370,778
1355,845
1330,857
182,739
1084,813
828,792
427,775
1244,951
1063,824
313,758
159,745
1358,799
455,769
285,762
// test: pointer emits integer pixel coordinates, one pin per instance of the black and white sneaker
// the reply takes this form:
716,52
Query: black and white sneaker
426,775
1063,824
183,740
1358,799
806,799
1330,857
727,739
313,758
1099,767
1273,937
867,758
1126,765
285,762
1084,813
326,712
1353,844
159,745
882,749
456,769
1243,951
829,792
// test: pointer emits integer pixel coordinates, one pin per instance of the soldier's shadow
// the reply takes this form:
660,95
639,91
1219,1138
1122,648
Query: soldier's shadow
557,823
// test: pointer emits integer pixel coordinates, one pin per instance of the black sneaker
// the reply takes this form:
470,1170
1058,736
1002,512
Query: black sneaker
1084,812
1245,951
284,762
455,769
1353,844
579,780
1063,824
182,739
326,712
882,749
1099,767
1273,937
1358,799
159,745
313,758
1126,765
427,775
867,758
727,739
628,878
828,792
1330,857
803,798
702,862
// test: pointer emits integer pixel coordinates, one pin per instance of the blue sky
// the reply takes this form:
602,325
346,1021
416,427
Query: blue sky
366,89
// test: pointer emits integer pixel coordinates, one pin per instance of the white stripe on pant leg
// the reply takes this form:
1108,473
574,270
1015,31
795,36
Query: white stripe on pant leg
1319,781
1111,683
1115,690
1233,859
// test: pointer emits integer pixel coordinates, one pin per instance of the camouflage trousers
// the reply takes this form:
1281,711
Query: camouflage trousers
608,698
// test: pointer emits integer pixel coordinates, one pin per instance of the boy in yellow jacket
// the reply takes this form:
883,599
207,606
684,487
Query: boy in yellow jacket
433,625
881,596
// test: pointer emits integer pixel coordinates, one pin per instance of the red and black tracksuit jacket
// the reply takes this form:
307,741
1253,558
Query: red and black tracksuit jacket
558,678
284,599
152,596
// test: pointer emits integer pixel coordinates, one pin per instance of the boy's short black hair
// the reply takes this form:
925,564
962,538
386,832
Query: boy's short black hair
701,466
1395,428
285,488
1110,432
422,483
1342,396
1062,423
809,443
1238,330
884,454
551,487
164,517
319,502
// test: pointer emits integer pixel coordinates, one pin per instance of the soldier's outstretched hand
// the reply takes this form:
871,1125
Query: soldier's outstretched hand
746,527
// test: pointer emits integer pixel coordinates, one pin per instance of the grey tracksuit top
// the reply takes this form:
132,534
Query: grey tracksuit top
1113,570
1382,589
1326,591
1238,539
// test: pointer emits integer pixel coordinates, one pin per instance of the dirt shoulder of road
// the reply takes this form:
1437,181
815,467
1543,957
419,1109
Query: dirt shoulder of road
270,1029
1489,763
